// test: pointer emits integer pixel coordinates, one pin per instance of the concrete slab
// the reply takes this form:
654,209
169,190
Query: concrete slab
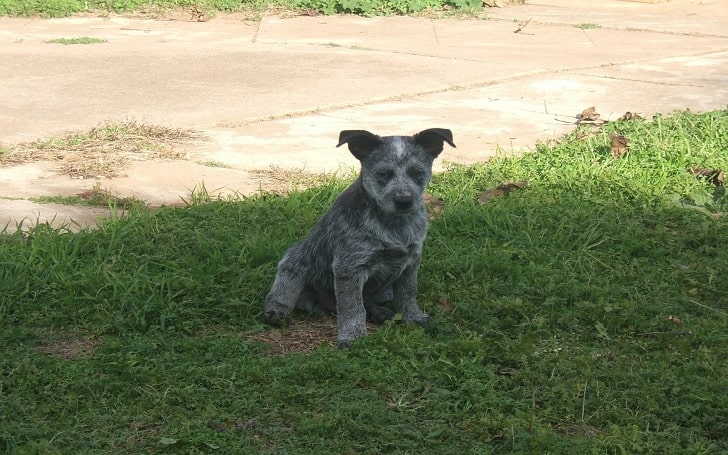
278,91
686,17
24,214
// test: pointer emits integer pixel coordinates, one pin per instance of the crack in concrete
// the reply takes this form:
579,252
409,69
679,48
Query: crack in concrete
645,81
434,33
464,87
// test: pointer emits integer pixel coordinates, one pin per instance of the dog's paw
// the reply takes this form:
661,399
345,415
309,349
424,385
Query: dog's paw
379,314
344,344
350,332
277,318
421,319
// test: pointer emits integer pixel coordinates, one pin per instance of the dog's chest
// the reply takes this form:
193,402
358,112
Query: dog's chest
389,260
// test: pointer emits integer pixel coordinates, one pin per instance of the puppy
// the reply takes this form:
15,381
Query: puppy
366,249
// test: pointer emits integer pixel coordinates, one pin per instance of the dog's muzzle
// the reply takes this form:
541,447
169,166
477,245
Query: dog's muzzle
403,202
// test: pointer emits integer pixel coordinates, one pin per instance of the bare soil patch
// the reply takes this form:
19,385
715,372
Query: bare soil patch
69,347
302,335
104,150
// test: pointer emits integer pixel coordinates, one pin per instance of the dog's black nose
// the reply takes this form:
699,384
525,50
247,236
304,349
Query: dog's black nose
403,202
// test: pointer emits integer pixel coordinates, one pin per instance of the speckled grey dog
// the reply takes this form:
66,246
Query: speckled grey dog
366,250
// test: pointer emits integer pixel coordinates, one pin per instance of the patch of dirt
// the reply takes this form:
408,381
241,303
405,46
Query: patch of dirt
69,348
104,150
302,335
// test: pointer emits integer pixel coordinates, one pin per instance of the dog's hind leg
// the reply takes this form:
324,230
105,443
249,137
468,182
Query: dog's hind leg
286,290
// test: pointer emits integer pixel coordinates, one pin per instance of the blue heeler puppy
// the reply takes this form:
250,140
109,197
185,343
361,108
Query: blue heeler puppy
366,249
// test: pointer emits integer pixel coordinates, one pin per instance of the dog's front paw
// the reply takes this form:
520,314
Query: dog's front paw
277,318
420,319
344,344
350,332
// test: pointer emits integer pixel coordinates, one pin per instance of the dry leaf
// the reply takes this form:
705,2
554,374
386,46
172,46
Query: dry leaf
715,176
620,145
435,205
589,114
446,304
501,190
674,319
631,116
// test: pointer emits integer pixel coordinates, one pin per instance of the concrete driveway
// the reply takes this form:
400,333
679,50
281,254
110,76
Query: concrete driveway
276,92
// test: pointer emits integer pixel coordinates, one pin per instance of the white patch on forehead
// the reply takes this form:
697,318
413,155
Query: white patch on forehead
399,147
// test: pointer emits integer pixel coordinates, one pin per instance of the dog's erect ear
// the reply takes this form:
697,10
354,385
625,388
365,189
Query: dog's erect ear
360,142
433,139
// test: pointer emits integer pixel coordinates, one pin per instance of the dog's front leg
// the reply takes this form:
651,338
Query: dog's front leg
349,308
405,297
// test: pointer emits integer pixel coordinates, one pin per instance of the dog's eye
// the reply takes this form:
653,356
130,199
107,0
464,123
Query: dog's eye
416,173
384,174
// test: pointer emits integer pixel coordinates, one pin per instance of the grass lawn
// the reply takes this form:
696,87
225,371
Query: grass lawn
586,312
202,8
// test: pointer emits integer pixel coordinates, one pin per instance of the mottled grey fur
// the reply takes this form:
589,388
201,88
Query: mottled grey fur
366,249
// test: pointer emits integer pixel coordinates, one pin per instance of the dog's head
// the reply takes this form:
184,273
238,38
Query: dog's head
396,169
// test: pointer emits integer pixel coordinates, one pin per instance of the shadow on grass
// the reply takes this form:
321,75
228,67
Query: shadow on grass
585,313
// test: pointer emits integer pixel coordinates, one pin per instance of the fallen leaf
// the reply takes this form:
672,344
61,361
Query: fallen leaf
446,304
501,190
631,116
620,145
589,114
715,176
435,205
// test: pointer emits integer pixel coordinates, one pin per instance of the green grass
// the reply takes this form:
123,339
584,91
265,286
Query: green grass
95,197
587,26
585,313
79,40
61,8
